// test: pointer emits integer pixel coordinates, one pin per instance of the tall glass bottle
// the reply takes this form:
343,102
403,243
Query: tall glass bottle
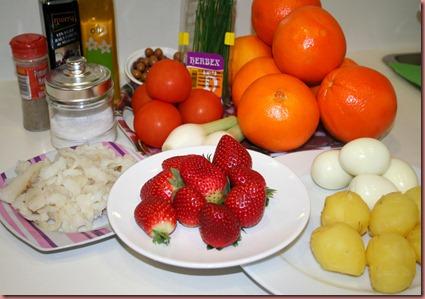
61,26
97,19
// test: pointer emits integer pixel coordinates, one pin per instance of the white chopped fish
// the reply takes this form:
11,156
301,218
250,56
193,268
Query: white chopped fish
20,183
68,193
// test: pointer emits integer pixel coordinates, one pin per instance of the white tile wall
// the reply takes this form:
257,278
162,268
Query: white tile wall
384,24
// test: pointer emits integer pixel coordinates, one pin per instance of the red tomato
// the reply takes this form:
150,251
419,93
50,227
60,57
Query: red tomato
200,107
169,80
139,98
154,122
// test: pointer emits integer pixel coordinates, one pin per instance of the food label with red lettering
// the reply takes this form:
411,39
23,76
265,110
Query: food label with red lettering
206,70
31,81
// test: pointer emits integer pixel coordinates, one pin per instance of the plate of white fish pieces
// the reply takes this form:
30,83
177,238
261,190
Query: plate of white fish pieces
57,200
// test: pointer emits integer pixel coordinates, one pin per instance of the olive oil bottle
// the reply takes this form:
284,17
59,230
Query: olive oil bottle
98,37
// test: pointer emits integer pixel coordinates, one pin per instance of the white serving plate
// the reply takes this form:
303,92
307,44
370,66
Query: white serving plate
46,241
284,219
295,270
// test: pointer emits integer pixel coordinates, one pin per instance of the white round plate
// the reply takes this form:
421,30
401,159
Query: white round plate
284,219
295,270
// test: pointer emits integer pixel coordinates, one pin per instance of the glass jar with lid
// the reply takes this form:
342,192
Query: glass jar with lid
80,99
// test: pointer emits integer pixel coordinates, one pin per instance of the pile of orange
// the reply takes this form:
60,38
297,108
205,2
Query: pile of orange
293,72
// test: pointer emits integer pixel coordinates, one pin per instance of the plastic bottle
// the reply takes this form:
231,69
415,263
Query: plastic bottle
29,52
97,21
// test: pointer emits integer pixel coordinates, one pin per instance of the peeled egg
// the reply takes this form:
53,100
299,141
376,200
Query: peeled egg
401,174
326,171
365,156
371,187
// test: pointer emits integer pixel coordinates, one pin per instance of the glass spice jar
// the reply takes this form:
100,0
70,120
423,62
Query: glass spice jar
29,52
80,98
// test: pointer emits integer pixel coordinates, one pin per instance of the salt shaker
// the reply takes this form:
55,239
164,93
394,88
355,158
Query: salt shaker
79,96
29,52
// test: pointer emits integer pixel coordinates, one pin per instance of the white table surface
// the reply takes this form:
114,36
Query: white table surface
109,267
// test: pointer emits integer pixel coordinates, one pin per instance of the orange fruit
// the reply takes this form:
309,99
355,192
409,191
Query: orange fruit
314,89
245,48
278,112
308,44
251,71
356,101
266,15
348,62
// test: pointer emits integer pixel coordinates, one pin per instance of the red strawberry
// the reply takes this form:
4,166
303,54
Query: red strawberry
162,186
247,202
230,153
157,218
188,202
218,226
205,178
242,175
175,161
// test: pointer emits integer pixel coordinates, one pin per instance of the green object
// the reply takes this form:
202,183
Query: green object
410,72
212,20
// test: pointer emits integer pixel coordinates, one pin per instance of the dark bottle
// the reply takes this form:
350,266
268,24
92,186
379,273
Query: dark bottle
61,25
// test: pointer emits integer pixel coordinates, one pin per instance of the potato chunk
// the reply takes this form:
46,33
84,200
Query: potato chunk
414,238
347,207
395,213
415,195
339,248
392,263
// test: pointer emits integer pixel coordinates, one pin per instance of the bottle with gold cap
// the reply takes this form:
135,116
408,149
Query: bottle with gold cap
97,19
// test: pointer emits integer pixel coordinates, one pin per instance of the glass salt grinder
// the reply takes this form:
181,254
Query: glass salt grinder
80,96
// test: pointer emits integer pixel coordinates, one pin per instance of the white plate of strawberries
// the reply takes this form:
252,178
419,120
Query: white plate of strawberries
208,206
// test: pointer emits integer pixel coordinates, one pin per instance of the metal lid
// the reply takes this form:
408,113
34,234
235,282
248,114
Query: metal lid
78,82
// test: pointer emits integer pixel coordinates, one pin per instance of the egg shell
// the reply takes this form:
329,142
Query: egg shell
365,156
401,174
326,171
371,187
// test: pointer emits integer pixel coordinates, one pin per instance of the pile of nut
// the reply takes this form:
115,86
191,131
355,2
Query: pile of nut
141,66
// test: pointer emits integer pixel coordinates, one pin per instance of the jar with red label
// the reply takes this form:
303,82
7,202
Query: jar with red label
29,52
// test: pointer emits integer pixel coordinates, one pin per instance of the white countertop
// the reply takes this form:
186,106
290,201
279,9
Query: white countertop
109,267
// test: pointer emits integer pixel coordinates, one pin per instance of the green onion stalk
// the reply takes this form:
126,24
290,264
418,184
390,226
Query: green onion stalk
212,20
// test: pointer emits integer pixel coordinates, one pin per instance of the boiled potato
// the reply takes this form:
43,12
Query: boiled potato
347,207
339,248
415,195
414,238
392,263
395,213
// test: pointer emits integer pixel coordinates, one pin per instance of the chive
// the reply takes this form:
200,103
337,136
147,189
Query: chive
212,20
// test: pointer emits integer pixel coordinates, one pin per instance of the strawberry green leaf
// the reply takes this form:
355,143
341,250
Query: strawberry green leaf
236,243
269,194
160,237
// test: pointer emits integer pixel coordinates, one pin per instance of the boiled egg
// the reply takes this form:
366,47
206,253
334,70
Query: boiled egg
401,174
365,156
371,187
326,171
